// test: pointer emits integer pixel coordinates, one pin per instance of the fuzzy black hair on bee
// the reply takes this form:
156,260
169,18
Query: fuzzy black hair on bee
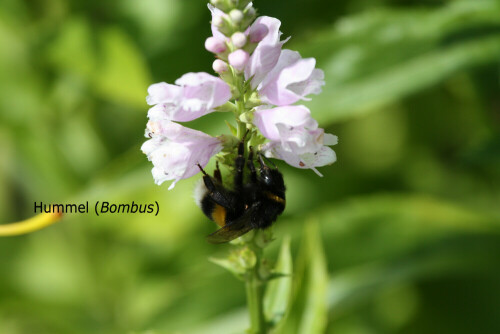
255,204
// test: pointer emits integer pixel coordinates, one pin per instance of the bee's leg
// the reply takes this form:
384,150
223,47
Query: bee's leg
215,193
217,174
251,167
239,164
263,164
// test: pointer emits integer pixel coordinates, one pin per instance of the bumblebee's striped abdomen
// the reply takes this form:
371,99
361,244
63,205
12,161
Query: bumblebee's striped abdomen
219,215
275,198
213,211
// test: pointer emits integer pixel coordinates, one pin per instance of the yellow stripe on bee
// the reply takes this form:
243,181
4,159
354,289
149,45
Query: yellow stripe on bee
275,198
219,215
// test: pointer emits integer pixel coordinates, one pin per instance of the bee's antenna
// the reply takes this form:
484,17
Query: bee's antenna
245,135
250,153
201,169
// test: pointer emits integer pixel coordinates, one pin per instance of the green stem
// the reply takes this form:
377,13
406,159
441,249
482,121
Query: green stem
254,283
255,294
241,126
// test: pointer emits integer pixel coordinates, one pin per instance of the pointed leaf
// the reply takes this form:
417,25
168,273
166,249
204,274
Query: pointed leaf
279,290
307,313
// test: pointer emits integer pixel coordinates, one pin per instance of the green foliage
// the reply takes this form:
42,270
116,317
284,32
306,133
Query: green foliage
279,290
408,218
307,308
383,55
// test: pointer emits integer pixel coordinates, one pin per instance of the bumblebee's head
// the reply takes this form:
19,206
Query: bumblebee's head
271,179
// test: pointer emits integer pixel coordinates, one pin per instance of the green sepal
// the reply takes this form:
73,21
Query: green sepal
226,107
253,101
246,117
249,15
228,142
227,27
228,265
240,4
224,5
250,47
239,261
233,130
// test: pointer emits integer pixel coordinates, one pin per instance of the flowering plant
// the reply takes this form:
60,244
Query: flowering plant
260,84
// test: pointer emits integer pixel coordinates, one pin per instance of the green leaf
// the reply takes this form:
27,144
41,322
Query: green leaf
73,50
307,314
116,69
380,57
124,76
233,130
279,290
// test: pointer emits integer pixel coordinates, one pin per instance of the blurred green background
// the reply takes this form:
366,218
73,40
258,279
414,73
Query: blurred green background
409,215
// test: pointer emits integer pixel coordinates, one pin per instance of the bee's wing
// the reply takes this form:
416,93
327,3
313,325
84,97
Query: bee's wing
232,230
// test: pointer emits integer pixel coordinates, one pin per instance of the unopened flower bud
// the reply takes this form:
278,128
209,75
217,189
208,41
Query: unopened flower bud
238,59
236,15
250,11
220,66
221,4
257,32
217,21
239,39
240,3
247,258
249,15
215,45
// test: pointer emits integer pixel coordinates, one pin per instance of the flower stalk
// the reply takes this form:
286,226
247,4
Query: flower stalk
255,300
255,283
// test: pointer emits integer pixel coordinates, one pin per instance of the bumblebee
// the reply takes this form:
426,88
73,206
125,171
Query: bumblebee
255,204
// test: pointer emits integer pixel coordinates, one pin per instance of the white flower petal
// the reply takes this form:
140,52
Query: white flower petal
291,80
267,52
292,116
176,150
193,96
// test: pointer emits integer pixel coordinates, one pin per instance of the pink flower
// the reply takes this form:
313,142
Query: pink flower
176,150
238,59
192,96
291,80
267,52
215,45
220,66
295,137
256,32
218,16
